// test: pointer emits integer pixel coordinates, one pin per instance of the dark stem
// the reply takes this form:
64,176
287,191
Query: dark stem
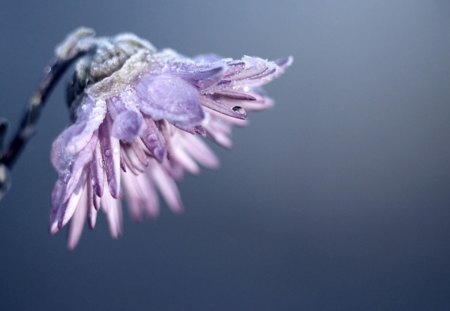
27,127
71,49
3,128
29,121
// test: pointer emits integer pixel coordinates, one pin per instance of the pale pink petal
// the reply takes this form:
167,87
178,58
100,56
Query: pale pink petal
186,161
69,208
226,119
78,219
81,160
113,212
134,196
200,151
92,215
64,212
114,216
167,187
96,200
151,202
219,130
131,161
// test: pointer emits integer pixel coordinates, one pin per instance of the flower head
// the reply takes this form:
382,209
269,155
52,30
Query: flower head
139,119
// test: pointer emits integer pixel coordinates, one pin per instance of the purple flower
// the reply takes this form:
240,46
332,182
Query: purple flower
139,119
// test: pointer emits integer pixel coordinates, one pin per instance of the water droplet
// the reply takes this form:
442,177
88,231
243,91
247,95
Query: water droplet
159,153
5,180
66,175
151,138
239,110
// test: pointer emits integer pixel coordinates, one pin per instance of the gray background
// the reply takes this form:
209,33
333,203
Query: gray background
336,199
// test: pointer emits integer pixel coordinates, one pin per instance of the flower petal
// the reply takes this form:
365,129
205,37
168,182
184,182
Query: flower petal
78,219
217,105
171,98
92,211
154,140
78,167
140,118
142,196
113,211
203,77
89,116
167,187
206,58
62,212
110,147
127,125
248,73
184,159
97,171
128,122
199,151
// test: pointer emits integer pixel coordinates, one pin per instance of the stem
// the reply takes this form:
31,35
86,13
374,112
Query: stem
27,127
3,128
29,120
76,45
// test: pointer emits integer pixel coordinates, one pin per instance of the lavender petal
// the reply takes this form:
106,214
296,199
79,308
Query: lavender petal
154,140
77,222
171,98
97,171
89,116
216,105
77,168
110,148
127,125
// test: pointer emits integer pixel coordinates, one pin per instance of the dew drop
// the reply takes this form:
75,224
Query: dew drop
239,110
159,153
66,175
151,138
5,180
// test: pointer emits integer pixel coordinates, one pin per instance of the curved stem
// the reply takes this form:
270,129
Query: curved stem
67,52
3,128
27,126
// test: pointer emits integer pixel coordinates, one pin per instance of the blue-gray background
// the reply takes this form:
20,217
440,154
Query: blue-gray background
336,199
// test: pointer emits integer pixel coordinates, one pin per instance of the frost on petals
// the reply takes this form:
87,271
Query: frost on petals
139,124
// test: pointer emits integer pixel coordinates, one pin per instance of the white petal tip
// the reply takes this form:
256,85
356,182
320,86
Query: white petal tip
54,228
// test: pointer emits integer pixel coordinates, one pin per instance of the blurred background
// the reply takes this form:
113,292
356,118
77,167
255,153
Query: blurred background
338,198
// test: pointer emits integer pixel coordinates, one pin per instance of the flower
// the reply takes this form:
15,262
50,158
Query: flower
139,115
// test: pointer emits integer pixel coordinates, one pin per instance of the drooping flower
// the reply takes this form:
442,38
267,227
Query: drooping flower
139,119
